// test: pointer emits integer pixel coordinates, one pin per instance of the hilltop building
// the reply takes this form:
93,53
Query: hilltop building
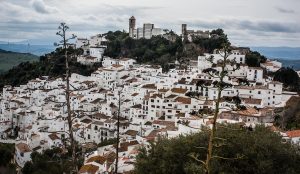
189,34
147,31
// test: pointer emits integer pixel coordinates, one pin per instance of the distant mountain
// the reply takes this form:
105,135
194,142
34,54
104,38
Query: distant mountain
26,48
9,59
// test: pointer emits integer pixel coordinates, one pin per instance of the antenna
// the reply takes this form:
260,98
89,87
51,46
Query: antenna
28,47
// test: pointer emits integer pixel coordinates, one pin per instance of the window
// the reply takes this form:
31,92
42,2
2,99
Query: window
259,92
186,106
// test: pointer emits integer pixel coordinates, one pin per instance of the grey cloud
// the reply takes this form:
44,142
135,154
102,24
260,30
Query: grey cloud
284,10
128,10
41,7
264,26
27,26
269,26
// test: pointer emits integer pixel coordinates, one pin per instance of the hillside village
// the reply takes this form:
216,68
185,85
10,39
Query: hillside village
152,104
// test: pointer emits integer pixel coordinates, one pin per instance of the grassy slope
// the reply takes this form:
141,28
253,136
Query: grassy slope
10,59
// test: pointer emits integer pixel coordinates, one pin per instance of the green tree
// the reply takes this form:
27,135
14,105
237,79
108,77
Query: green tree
254,59
7,154
51,161
263,152
289,78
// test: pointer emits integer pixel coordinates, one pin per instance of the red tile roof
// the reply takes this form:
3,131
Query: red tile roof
179,90
183,100
293,134
90,169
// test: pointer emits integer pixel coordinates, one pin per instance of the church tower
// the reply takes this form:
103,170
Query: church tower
131,26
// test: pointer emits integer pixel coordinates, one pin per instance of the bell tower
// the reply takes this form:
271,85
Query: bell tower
131,26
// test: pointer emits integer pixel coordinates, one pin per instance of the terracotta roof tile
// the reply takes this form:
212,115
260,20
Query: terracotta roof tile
89,168
98,159
293,133
23,147
183,100
179,90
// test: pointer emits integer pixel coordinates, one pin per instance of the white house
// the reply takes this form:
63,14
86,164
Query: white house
22,154
294,136
271,65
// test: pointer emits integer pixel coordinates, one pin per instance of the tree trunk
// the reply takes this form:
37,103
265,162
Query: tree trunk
72,142
216,113
212,134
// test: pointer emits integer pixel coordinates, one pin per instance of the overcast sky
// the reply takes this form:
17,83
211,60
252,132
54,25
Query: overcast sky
247,22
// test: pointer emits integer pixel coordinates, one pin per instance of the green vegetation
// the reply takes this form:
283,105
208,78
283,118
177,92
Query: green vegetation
259,151
289,78
216,42
6,156
7,153
51,161
289,119
10,59
254,58
158,50
52,64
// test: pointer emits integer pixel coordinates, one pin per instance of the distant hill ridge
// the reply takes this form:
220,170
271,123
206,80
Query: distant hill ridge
4,51
9,59
38,50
